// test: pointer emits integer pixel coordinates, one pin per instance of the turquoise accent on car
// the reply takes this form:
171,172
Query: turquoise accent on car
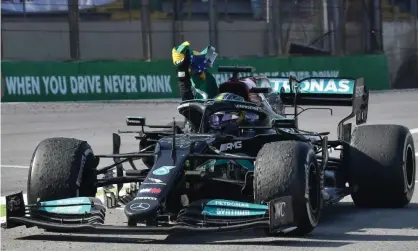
208,164
317,85
228,212
236,204
245,163
230,208
59,206
213,163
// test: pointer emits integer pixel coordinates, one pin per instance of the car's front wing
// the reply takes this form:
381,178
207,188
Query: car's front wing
88,216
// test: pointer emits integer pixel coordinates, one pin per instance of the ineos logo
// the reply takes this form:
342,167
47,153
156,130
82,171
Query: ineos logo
279,211
139,206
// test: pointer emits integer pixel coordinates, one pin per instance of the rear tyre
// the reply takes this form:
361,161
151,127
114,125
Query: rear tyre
382,166
62,168
290,168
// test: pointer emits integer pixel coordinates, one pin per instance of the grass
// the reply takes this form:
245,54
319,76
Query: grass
2,210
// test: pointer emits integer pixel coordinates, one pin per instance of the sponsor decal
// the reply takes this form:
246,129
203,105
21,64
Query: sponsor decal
155,180
324,86
281,212
254,108
327,73
139,206
231,146
279,209
87,84
145,198
238,204
231,203
231,212
150,190
164,170
359,89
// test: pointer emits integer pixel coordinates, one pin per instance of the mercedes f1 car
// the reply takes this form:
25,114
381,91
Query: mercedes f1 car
272,175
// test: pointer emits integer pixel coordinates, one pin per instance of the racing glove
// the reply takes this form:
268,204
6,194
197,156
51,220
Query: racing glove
184,78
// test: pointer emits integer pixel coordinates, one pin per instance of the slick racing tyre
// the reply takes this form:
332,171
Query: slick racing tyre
381,166
62,168
290,168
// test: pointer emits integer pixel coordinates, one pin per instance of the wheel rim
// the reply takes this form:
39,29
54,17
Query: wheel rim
409,166
314,190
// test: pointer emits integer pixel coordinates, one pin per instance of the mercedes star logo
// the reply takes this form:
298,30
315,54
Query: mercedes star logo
139,206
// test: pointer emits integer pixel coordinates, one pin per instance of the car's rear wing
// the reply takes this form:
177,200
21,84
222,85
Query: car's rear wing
318,91
323,91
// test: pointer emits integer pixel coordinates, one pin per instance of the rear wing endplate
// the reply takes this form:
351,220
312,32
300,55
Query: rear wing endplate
320,91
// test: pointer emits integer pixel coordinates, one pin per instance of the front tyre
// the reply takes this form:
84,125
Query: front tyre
290,168
62,168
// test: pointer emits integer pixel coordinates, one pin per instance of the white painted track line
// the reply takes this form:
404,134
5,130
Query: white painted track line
14,166
414,130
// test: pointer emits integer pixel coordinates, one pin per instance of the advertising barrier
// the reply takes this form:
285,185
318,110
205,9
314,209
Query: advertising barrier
127,80
67,81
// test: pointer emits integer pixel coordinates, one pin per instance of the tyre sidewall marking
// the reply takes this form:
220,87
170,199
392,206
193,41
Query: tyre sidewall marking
81,169
308,166
406,148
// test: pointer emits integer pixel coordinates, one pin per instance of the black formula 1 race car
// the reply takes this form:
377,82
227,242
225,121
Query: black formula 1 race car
272,175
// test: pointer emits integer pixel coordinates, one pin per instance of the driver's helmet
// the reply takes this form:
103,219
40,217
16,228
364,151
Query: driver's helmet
229,121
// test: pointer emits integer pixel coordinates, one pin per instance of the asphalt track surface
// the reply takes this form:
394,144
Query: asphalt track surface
342,227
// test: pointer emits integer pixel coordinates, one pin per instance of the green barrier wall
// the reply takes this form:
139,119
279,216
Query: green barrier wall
50,81
69,81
